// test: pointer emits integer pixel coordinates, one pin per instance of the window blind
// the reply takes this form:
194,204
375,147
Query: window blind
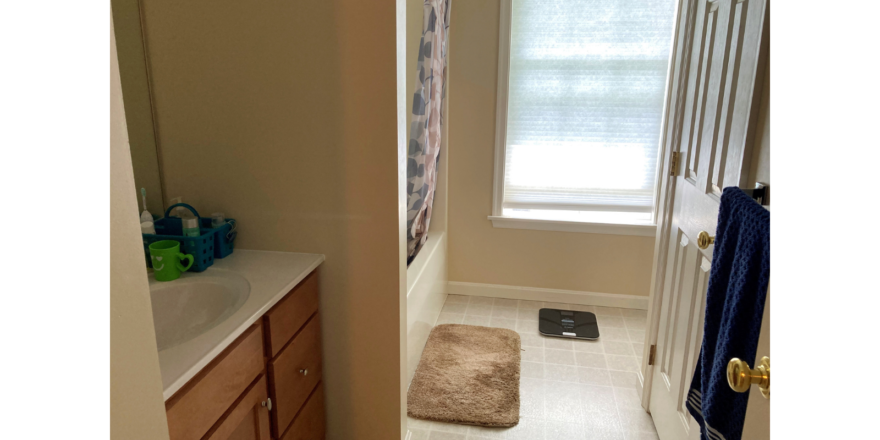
585,102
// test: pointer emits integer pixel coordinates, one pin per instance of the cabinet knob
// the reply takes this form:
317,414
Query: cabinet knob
305,372
268,403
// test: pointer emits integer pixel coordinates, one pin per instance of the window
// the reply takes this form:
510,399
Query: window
581,93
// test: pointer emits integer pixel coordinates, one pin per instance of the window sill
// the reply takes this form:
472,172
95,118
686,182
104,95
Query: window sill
569,226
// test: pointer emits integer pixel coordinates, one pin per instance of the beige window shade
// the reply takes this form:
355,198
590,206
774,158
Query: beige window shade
585,102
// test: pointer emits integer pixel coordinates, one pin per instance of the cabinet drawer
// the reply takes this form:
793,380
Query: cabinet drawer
248,419
288,387
309,424
196,407
289,315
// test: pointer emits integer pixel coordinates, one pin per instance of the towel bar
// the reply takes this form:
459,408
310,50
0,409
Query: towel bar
761,193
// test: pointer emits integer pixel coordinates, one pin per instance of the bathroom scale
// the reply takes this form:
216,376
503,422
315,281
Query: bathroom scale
568,324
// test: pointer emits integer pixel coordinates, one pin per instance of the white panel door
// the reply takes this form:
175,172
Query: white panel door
757,424
717,51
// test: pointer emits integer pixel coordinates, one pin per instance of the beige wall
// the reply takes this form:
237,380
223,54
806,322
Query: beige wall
478,252
284,116
760,167
138,109
137,410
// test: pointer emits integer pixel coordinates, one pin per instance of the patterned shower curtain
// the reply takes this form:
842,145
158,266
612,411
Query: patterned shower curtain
423,154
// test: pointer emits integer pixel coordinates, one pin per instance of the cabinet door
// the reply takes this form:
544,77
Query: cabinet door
294,374
309,423
195,409
289,315
248,419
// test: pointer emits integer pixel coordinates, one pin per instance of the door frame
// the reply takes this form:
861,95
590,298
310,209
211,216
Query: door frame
670,138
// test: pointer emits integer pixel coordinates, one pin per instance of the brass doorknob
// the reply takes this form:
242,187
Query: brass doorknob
740,377
704,240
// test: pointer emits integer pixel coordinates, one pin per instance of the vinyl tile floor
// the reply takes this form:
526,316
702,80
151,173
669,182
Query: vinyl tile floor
569,389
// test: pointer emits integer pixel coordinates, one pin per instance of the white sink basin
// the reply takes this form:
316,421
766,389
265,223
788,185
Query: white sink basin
193,304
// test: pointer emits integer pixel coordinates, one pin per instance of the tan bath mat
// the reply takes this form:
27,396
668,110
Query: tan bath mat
468,375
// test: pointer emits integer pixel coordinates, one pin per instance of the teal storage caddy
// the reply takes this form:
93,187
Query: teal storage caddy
224,236
210,244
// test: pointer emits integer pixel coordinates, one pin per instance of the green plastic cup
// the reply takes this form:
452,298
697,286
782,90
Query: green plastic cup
166,258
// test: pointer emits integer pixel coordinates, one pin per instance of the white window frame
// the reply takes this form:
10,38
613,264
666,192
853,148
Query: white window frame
498,219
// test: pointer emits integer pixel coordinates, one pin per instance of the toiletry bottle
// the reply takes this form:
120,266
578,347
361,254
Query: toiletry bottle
217,220
190,226
179,211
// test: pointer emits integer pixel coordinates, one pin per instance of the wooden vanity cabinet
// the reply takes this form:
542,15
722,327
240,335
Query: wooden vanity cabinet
204,400
286,318
309,423
248,418
265,385
293,337
295,373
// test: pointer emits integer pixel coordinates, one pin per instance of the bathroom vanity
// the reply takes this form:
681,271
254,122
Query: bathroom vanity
243,362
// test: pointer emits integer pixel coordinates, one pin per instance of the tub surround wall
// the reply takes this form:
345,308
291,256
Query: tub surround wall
426,293
285,117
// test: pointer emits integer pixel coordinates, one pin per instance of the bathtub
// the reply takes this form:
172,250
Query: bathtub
426,282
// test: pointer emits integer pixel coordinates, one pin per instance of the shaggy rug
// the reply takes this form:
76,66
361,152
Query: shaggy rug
468,375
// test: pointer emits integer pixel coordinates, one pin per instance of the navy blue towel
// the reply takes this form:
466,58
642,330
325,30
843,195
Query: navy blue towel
734,310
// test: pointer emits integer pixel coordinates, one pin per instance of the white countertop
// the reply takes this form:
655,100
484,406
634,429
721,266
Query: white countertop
271,276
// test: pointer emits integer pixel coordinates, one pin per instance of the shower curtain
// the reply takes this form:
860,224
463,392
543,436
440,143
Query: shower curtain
423,154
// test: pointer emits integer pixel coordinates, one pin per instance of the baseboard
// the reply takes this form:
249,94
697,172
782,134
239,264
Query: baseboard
549,295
